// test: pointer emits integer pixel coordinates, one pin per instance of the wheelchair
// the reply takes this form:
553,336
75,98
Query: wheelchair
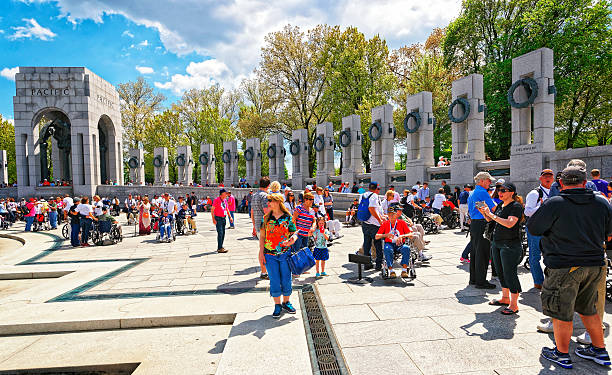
41,222
429,225
183,227
103,230
4,221
66,229
384,272
450,217
172,231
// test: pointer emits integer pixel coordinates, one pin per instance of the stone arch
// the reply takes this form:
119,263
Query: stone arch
107,149
54,134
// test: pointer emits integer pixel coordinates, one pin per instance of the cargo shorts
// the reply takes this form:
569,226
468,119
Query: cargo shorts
566,290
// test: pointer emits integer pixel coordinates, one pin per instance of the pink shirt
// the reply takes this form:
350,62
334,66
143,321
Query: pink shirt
219,207
231,203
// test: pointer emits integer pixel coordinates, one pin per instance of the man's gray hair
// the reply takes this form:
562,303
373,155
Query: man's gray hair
577,163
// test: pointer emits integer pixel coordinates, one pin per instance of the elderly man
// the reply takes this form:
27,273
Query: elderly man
481,247
574,227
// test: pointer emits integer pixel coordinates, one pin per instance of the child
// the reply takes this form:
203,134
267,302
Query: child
321,253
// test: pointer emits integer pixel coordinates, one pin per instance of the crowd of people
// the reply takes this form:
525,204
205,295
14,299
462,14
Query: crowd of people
566,220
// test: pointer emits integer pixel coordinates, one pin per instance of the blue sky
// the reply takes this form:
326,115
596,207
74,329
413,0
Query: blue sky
181,44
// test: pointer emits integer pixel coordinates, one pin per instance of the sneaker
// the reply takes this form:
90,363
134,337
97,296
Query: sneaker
546,327
585,338
323,273
392,275
277,311
466,260
317,275
597,355
424,258
404,274
553,355
287,306
222,250
264,276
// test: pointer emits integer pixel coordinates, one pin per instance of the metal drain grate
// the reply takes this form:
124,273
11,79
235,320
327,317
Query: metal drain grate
325,354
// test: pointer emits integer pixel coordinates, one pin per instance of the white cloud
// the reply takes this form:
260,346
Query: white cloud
232,33
145,69
144,43
201,75
127,33
9,73
32,30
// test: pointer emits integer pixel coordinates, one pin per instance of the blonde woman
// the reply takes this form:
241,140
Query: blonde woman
389,196
275,187
277,235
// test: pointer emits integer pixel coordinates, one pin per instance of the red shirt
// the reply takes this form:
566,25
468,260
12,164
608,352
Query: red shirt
449,204
219,207
400,228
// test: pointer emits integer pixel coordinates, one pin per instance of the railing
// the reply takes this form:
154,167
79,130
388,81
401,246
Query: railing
439,173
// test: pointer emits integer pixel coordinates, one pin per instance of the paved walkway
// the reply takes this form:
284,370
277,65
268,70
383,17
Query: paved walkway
214,307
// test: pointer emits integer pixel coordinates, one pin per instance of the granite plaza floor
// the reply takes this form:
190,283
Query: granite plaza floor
157,308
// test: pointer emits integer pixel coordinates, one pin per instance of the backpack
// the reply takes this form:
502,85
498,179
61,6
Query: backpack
363,212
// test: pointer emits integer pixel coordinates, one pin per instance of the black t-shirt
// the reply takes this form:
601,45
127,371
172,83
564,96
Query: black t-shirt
74,215
503,233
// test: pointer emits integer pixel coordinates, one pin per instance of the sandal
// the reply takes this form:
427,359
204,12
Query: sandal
507,311
496,302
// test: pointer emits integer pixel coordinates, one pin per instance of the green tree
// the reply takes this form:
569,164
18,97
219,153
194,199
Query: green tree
139,102
7,142
163,130
358,77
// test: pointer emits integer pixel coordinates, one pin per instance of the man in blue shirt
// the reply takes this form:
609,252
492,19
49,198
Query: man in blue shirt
423,192
481,247
463,205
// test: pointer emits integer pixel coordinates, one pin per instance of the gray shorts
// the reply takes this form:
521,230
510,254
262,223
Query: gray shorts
566,290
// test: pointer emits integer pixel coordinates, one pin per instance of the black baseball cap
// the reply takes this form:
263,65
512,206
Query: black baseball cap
509,186
373,185
394,207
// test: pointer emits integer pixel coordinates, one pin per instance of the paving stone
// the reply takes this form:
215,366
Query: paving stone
414,309
350,314
388,332
362,360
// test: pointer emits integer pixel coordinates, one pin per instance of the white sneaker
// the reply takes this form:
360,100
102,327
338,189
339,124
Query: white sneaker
585,338
546,327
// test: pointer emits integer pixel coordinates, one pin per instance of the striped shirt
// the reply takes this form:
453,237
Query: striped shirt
304,220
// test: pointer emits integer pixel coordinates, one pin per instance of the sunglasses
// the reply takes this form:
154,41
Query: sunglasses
309,199
503,190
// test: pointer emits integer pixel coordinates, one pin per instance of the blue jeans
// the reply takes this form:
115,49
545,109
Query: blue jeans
165,231
390,249
535,254
85,228
220,231
466,252
300,243
53,219
29,220
279,274
74,234
233,221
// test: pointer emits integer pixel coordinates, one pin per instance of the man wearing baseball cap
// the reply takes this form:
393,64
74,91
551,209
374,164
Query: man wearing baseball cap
533,201
219,213
370,227
574,227
481,247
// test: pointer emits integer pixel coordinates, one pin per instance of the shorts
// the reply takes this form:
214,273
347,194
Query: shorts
566,290
321,254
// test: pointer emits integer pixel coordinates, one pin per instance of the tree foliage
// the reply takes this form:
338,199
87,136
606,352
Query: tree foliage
7,142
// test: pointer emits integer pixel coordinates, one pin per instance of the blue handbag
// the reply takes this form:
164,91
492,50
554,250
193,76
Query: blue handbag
301,261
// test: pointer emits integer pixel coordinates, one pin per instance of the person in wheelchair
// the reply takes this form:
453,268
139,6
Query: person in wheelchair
350,218
106,223
185,217
395,232
428,210
165,227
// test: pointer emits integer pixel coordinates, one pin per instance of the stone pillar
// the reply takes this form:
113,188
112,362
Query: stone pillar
419,143
382,148
528,148
136,165
207,163
325,157
230,163
467,135
276,164
299,153
184,162
252,154
3,168
351,153
160,165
